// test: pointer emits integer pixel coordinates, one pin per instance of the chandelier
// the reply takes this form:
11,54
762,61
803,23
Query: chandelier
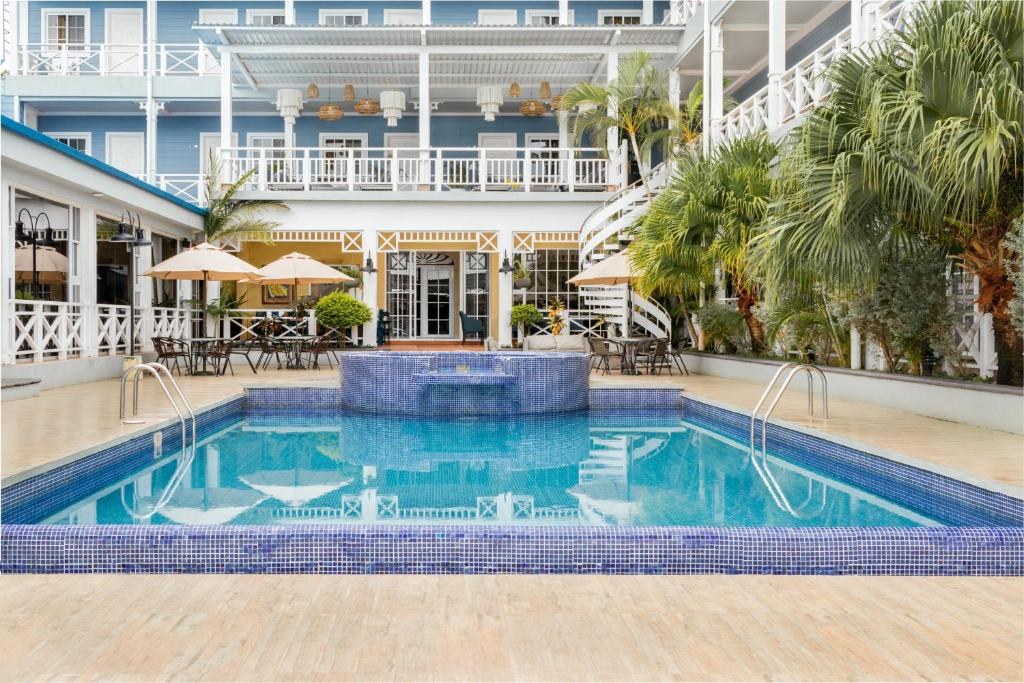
489,99
392,103
532,108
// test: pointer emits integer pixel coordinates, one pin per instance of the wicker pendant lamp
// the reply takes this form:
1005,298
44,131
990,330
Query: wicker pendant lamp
545,90
312,91
350,93
329,111
367,106
514,90
556,103
532,108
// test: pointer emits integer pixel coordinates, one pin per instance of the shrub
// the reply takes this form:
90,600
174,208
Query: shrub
341,311
526,315
723,326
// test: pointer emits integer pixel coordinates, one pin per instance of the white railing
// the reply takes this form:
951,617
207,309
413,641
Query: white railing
103,59
242,324
681,11
168,322
188,186
186,60
100,59
45,330
804,85
112,329
437,169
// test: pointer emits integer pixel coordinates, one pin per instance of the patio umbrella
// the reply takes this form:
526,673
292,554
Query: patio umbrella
614,270
203,262
295,269
295,487
209,506
51,265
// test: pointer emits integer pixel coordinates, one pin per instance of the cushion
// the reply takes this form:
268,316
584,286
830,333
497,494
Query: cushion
572,342
539,342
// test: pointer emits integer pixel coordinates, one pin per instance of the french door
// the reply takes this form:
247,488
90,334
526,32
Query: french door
436,300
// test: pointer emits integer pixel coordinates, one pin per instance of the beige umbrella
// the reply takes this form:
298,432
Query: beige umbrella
296,268
51,265
203,262
614,270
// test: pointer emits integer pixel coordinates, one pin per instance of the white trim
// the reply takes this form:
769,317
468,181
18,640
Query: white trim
135,62
533,137
251,13
532,13
216,136
362,137
603,13
453,301
480,19
106,151
61,134
218,9
390,14
388,137
47,11
361,13
277,135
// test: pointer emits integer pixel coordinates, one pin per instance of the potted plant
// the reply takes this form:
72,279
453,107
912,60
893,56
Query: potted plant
556,320
522,277
340,311
523,315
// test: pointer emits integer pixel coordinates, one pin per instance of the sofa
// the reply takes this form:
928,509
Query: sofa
561,342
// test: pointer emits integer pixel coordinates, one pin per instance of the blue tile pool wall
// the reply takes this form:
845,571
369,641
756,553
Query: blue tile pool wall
46,493
929,493
619,399
464,383
493,550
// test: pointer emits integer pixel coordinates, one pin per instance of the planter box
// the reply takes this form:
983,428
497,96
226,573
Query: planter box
981,405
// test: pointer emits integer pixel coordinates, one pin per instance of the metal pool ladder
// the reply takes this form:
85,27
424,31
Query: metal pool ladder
794,369
155,369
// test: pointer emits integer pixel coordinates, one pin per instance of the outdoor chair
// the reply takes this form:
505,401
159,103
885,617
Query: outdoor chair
602,351
169,351
471,326
656,357
676,356
320,346
242,348
643,353
269,348
220,354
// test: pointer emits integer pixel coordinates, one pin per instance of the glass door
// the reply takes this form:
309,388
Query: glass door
436,300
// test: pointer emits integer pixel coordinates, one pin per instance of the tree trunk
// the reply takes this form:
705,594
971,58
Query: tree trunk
640,167
994,297
746,302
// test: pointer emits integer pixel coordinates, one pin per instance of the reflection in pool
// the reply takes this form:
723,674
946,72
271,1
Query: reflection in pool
576,469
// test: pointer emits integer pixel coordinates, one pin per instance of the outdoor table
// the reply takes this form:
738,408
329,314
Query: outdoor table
293,349
629,347
196,345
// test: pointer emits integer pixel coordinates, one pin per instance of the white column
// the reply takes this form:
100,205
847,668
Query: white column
152,109
673,91
225,107
613,106
426,13
87,268
855,349
370,286
151,37
856,23
713,74
424,120
7,268
647,12
289,12
505,291
212,294
563,12
776,60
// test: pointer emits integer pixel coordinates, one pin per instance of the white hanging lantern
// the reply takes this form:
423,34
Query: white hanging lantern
489,98
392,103
289,103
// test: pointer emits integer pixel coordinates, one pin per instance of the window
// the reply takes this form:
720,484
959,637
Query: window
341,143
81,142
354,17
497,17
540,17
551,270
619,17
273,141
264,17
66,27
476,297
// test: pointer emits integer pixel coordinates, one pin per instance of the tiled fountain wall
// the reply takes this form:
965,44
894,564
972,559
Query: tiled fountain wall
464,383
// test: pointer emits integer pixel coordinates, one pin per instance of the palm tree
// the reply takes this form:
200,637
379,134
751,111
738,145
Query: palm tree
706,219
227,216
636,103
922,138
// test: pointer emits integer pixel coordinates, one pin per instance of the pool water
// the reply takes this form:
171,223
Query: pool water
590,469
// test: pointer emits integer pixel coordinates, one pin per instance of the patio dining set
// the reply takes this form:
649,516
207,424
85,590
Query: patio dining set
635,354
212,355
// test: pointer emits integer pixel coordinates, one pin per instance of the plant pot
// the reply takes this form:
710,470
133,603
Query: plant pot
522,283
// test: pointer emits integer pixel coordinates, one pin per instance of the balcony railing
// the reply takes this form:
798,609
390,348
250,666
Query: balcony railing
111,59
680,11
435,169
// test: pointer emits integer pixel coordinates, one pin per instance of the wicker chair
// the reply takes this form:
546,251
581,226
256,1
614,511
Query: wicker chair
602,351
169,351
269,348
319,346
218,352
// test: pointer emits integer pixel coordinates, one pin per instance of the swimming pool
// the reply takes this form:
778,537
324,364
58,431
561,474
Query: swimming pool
286,480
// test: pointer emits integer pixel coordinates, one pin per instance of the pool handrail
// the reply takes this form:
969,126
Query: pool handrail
150,369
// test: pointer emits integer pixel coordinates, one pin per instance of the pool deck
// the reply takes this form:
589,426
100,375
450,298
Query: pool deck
508,627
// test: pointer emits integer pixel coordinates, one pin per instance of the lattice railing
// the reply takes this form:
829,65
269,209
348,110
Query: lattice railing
46,330
112,329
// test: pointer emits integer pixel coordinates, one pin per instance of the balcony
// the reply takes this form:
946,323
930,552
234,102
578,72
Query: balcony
435,169
107,59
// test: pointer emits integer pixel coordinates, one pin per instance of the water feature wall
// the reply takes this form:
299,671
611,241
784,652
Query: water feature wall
463,383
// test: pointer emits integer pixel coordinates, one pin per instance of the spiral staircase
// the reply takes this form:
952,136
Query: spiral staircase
607,231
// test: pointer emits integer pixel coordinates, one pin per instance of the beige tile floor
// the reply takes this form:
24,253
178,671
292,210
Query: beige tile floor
507,627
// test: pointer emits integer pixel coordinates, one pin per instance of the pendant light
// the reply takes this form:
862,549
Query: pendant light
330,111
532,107
312,91
556,103
367,106
514,90
489,99
545,90
350,93
392,103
